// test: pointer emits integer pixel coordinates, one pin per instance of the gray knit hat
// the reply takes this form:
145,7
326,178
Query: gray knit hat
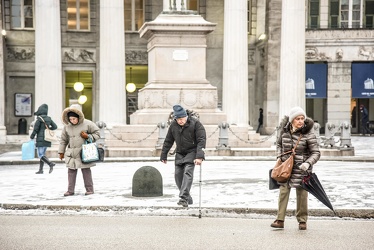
179,111
295,112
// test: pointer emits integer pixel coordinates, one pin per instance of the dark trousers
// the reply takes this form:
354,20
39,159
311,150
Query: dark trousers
183,178
364,127
87,178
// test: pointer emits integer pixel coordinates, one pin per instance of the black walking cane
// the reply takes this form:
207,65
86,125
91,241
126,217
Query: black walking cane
200,183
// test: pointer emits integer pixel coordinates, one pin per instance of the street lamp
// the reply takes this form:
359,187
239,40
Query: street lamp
78,86
130,87
82,99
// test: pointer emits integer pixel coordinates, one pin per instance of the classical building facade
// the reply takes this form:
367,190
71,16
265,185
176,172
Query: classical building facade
269,54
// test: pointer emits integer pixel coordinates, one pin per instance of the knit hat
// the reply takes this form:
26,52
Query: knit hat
179,111
295,112
72,114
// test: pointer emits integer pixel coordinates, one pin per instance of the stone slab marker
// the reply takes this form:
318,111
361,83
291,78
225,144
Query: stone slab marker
147,182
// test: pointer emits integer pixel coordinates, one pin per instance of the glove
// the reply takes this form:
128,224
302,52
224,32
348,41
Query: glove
61,156
84,135
305,166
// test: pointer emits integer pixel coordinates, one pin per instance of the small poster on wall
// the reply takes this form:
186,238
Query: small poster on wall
22,104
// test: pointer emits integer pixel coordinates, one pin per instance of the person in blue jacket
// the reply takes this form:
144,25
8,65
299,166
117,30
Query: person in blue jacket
38,131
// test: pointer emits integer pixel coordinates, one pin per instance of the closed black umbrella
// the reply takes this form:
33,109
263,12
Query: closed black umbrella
311,184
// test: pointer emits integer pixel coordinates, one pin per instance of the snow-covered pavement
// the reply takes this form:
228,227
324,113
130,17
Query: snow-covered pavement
226,184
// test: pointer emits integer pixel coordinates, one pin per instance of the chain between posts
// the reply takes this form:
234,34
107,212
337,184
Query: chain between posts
254,142
213,133
128,141
151,133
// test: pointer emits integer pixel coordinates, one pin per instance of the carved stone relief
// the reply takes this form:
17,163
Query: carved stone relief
339,55
22,54
79,55
365,53
136,57
313,53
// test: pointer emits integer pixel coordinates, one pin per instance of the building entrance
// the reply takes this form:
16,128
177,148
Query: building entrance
78,90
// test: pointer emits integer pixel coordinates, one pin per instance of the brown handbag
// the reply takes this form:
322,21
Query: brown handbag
282,170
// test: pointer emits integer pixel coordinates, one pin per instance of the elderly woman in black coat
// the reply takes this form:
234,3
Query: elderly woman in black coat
306,155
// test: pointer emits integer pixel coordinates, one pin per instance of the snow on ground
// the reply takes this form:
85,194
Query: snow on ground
225,184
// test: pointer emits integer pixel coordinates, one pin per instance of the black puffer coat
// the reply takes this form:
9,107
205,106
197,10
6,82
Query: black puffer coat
306,151
190,140
39,126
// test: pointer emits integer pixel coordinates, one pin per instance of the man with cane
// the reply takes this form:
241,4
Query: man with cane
190,137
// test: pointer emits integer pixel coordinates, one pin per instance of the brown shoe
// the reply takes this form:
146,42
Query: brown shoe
302,226
68,193
88,193
277,224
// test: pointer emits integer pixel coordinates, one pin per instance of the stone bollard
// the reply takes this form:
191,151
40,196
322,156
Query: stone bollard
223,139
329,134
163,130
102,126
345,138
147,182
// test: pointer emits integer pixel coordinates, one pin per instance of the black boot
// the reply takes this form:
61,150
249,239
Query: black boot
50,164
40,167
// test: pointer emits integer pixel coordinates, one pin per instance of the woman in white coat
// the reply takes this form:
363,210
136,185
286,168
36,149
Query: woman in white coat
76,130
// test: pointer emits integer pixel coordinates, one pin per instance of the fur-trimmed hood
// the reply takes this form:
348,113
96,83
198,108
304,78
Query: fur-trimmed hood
308,125
73,108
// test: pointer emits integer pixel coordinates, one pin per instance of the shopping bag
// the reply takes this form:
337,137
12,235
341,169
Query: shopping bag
28,150
89,152
101,153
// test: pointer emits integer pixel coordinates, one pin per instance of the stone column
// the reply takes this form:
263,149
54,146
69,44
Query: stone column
2,85
292,64
338,89
48,66
235,63
112,95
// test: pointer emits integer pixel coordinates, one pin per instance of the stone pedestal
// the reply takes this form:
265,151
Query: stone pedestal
177,69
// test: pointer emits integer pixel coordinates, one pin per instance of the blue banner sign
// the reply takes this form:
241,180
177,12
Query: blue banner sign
316,80
362,80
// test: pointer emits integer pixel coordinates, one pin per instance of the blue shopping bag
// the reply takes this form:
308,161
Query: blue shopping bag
28,150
